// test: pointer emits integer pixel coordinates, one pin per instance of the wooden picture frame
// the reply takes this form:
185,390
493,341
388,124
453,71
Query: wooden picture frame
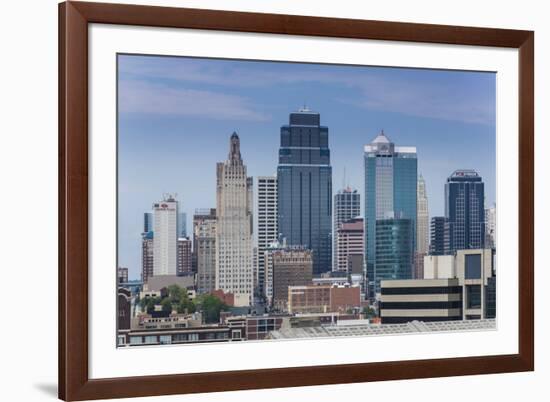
74,381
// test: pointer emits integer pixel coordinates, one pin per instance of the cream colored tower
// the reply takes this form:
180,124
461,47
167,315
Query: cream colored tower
422,228
234,262
422,219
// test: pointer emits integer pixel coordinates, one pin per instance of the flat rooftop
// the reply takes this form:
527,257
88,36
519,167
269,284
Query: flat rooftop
329,331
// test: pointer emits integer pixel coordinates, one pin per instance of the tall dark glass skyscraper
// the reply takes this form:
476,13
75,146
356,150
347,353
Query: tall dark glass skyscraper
465,210
390,194
437,236
304,183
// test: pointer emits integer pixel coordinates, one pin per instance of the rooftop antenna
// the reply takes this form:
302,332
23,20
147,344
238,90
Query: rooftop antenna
344,179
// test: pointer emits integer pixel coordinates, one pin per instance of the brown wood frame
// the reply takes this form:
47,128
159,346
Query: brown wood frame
74,17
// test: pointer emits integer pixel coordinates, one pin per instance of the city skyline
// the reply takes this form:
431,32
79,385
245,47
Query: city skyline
159,149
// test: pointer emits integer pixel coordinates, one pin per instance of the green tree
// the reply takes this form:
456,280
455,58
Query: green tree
147,304
210,307
177,294
166,305
369,312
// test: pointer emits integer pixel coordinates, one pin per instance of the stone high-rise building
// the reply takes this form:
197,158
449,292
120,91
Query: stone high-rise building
122,274
347,205
422,228
147,240
490,226
266,215
184,256
165,218
350,240
204,249
234,261
292,266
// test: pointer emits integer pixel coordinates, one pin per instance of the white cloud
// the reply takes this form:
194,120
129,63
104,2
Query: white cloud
147,98
449,101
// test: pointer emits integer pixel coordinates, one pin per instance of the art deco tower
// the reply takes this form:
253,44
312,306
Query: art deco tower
422,228
234,263
304,187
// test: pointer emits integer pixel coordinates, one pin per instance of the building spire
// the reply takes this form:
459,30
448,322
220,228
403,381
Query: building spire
234,148
304,109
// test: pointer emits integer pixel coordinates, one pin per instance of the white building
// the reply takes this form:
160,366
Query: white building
234,261
439,267
490,226
474,270
422,228
268,274
165,217
266,218
422,216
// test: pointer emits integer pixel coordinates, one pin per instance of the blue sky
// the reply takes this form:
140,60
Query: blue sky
176,115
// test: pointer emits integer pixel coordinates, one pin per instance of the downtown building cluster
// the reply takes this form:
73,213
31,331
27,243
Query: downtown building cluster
283,252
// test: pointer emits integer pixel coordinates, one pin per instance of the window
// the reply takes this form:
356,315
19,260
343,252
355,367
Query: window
136,340
473,296
165,339
473,266
151,339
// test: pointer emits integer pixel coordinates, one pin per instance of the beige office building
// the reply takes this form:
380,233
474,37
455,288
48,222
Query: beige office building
234,260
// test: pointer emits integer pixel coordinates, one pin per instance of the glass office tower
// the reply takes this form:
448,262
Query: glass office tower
390,193
393,249
304,183
465,210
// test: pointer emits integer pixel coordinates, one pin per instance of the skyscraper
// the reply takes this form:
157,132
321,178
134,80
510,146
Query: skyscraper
490,226
347,205
184,256
147,241
266,214
204,249
464,210
438,240
350,240
182,225
390,193
304,183
122,274
234,266
422,228
147,222
165,215
291,267
394,249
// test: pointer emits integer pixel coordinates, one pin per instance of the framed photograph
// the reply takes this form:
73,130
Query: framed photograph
261,200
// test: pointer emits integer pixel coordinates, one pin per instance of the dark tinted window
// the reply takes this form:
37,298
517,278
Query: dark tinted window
473,266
